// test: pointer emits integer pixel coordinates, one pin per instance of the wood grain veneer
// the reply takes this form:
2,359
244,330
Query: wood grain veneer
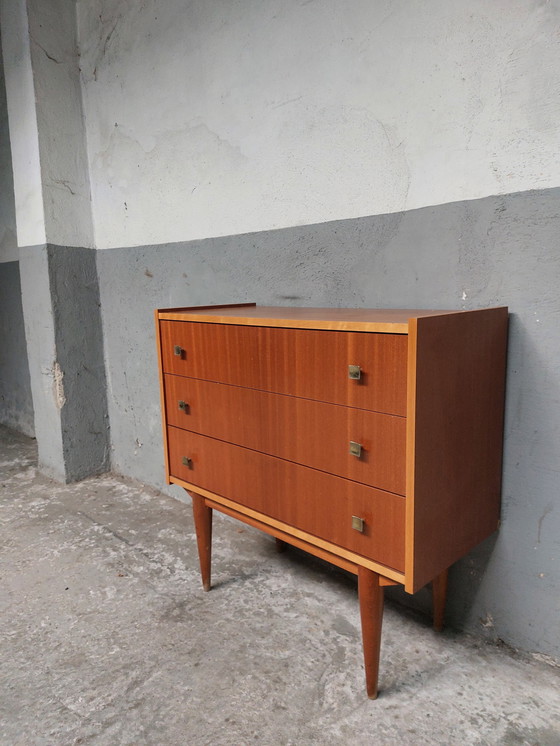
304,431
311,364
455,432
308,499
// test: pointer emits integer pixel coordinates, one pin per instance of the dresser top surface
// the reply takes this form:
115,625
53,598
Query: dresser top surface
393,320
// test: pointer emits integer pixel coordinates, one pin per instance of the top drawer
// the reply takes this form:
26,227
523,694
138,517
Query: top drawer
309,363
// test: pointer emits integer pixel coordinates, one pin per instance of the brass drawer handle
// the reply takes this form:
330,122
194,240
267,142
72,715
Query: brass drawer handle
178,350
187,462
355,449
183,405
358,524
354,372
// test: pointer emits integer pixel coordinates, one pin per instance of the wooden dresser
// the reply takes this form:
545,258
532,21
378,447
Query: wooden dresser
369,438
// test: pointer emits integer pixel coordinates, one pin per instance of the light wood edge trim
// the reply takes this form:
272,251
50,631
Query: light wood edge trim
336,326
163,311
162,399
410,454
312,541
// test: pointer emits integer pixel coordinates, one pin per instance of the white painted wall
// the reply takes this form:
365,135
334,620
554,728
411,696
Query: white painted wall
8,237
49,157
214,118
30,219
64,164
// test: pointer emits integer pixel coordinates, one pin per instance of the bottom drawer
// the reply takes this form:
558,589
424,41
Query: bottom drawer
312,501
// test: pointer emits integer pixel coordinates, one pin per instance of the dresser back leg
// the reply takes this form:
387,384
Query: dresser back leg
203,525
371,599
439,596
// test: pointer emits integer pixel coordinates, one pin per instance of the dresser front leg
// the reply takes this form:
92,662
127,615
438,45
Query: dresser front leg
370,594
439,596
203,526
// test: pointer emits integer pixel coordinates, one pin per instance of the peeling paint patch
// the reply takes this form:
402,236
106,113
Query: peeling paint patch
58,386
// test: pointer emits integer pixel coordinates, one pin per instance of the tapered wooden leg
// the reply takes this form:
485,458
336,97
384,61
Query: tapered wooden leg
281,546
370,594
439,595
203,526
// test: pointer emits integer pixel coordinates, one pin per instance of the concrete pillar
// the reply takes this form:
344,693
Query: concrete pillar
60,292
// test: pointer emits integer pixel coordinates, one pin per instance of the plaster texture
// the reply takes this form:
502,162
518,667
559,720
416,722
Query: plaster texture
214,119
109,638
495,251
16,404
65,351
8,238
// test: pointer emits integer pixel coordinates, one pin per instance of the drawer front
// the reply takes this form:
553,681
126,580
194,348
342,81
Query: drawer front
307,363
319,503
307,432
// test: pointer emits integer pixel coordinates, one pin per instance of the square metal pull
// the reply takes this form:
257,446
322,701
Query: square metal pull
187,462
358,524
354,372
178,350
355,449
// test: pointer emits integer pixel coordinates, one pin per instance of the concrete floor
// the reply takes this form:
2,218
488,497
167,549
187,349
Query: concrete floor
108,638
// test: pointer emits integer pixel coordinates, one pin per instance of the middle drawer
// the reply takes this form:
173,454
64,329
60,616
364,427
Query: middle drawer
312,433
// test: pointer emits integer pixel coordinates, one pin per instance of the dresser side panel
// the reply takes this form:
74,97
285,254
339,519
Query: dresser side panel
455,461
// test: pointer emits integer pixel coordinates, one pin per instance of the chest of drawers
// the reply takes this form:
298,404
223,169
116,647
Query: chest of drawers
369,438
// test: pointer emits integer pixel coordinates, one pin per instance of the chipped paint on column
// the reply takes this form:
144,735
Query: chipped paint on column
58,386
208,119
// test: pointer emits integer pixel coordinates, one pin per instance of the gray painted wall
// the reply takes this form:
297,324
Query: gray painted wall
16,405
493,251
